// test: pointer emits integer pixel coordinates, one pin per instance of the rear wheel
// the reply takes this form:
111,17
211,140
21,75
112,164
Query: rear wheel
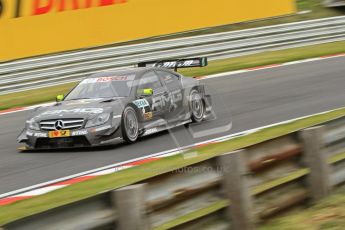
130,125
197,106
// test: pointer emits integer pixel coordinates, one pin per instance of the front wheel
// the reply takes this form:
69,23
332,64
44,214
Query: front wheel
130,125
197,106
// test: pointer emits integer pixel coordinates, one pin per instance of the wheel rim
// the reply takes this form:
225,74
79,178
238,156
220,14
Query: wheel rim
197,106
131,125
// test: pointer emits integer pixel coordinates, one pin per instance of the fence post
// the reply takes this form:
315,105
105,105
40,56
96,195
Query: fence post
316,160
130,206
236,187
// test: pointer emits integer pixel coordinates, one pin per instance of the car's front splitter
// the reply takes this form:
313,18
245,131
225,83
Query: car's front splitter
91,137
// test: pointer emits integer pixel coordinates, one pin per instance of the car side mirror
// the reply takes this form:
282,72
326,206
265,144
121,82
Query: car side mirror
59,97
145,92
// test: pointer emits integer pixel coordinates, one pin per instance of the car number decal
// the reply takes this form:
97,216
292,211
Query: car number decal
141,103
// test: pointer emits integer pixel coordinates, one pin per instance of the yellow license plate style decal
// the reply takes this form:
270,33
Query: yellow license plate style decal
59,133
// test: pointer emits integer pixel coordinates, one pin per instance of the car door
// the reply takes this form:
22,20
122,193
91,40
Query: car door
157,107
174,97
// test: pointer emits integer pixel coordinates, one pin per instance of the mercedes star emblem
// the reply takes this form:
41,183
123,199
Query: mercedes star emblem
59,125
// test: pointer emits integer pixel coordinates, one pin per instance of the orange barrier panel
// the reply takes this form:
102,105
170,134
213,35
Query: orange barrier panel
35,27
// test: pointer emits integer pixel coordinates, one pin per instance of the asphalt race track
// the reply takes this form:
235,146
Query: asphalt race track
254,99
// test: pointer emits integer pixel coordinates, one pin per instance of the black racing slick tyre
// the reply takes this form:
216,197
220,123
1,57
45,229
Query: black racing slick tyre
197,106
130,125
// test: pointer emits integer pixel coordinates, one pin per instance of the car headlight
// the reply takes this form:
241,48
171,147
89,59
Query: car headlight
98,120
32,124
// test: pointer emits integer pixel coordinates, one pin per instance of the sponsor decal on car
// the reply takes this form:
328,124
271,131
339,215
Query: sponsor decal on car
173,64
172,98
40,135
28,133
148,116
151,131
59,133
108,79
79,133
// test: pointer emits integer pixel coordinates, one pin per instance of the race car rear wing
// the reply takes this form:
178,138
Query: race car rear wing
176,64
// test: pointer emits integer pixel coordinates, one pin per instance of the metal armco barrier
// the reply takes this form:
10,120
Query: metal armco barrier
38,72
237,190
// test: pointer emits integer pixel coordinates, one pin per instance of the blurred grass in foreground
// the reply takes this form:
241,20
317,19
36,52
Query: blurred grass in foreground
32,97
100,184
328,214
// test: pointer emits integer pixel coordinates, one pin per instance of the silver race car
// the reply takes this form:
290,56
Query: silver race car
110,107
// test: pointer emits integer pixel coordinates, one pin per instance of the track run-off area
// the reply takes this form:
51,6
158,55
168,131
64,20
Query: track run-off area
249,99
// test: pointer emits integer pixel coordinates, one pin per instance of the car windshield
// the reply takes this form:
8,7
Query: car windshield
102,87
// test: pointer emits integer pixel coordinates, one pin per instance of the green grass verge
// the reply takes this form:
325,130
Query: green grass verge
328,214
268,58
32,97
104,183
